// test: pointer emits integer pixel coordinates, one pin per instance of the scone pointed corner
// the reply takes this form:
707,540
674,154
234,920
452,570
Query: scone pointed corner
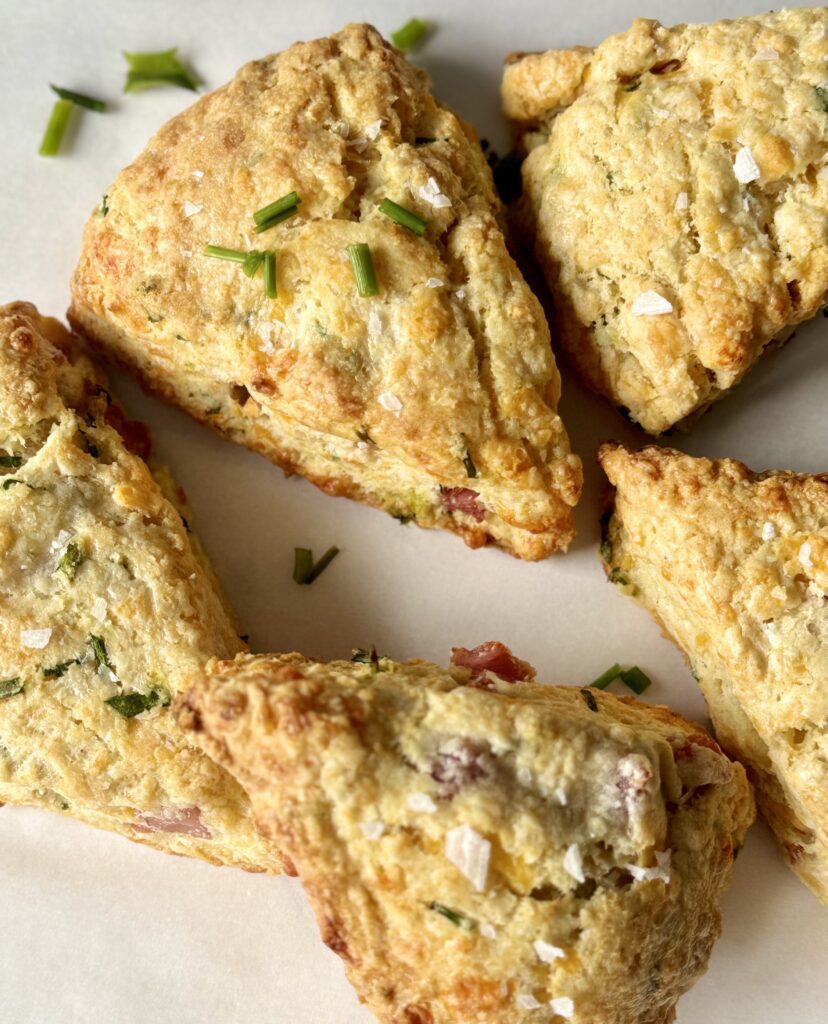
394,354
430,809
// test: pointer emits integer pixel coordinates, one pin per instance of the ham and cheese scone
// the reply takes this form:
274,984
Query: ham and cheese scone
484,850
434,399
676,196
106,599
734,566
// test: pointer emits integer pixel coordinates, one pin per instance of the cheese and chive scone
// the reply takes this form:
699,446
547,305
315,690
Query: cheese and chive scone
105,600
481,850
434,399
734,566
676,196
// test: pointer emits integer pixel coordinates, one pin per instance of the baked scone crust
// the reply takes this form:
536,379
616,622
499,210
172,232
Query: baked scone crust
631,186
361,773
734,565
94,552
380,399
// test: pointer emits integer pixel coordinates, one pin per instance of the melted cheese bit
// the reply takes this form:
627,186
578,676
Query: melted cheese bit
372,829
562,1006
745,167
547,953
469,852
660,873
421,802
191,209
36,639
650,303
573,863
388,400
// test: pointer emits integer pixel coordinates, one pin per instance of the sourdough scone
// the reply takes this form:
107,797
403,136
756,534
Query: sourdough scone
676,196
106,599
734,565
478,850
434,399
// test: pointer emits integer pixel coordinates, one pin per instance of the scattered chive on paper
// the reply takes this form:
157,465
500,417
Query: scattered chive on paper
404,217
305,570
411,35
129,705
603,681
270,274
56,128
78,98
637,680
10,687
456,918
149,70
362,265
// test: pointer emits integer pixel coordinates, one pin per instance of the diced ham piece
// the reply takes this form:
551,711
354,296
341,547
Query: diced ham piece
462,499
700,762
493,657
185,821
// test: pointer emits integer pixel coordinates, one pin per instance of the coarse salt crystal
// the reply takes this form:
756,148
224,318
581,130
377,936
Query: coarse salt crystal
388,400
469,852
372,829
805,555
99,607
562,1006
421,802
191,209
573,863
431,193
198,174
434,282
660,873
560,796
374,323
488,931
60,540
547,952
650,303
766,53
745,167
526,1001
768,531
372,131
36,639
267,347
524,776
460,293
682,201
340,128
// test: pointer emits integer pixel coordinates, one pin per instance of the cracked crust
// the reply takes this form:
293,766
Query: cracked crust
629,187
734,565
332,755
302,379
138,580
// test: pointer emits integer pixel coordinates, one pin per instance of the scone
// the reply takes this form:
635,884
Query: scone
734,566
478,850
106,599
676,196
434,399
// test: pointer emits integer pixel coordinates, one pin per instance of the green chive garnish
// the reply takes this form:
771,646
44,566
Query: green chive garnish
10,483
468,462
252,261
131,704
148,70
402,216
10,687
70,560
55,129
456,918
363,657
286,204
56,671
822,95
270,274
603,681
590,700
87,102
363,267
637,680
104,204
218,252
11,461
412,32
99,649
304,568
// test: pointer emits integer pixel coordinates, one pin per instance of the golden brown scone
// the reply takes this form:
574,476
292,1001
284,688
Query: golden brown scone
434,400
105,600
734,565
479,850
676,196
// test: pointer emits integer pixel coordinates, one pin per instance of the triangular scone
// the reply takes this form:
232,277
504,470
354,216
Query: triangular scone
435,399
676,195
478,850
734,565
105,600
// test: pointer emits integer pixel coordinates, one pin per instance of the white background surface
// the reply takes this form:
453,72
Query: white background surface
96,929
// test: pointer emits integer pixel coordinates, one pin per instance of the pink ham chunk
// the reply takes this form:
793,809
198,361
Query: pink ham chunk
185,821
463,499
492,657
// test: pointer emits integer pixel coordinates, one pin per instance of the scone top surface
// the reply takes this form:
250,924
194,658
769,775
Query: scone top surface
105,600
391,398
473,854
676,192
735,566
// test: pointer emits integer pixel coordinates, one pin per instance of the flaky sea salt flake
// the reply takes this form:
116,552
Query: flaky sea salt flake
650,303
469,852
745,167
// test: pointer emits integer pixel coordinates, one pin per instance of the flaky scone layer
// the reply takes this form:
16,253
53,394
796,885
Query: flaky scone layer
676,196
435,399
734,565
484,851
104,594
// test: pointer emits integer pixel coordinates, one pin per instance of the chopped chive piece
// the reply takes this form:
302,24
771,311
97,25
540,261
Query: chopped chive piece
402,216
410,35
99,649
104,204
70,560
270,274
10,687
424,140
363,657
56,127
56,671
304,569
323,563
79,99
363,267
603,681
471,469
218,252
456,918
252,261
266,225
637,680
288,202
148,70
131,704
590,700
822,94
10,483
11,461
